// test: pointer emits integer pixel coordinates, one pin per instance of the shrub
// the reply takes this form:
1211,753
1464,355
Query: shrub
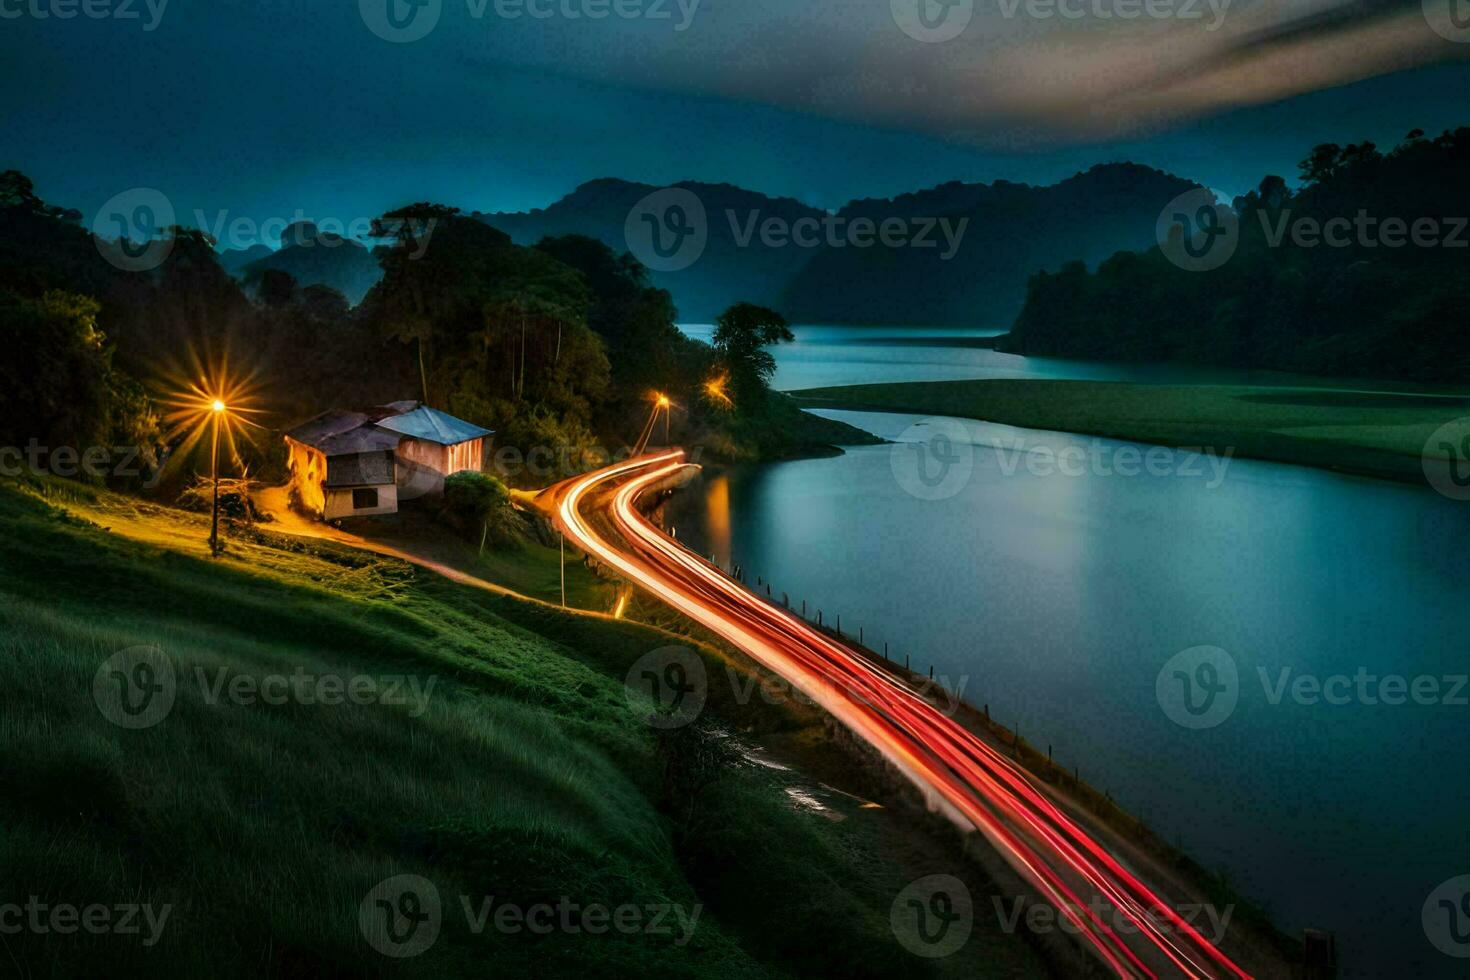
478,506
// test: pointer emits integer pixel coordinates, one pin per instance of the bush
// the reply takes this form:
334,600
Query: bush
478,505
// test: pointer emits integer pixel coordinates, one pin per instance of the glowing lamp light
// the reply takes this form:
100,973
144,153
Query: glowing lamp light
218,405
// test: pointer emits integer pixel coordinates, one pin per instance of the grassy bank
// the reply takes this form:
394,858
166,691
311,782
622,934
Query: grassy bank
1379,434
508,764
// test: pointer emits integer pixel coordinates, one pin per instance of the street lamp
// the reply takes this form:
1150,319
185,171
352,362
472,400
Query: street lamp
217,408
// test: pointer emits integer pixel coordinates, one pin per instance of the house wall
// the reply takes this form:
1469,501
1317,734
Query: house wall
339,502
308,468
422,466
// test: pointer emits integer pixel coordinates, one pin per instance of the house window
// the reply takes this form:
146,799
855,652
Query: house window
365,499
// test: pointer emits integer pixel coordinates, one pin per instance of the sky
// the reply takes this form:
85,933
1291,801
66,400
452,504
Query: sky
340,109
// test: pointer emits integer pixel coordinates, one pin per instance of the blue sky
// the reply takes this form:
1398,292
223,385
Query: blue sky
267,108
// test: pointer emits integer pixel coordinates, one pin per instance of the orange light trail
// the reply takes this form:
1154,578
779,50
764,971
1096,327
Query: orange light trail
969,780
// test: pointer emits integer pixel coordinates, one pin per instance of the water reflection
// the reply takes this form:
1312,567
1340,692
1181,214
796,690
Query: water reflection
1060,597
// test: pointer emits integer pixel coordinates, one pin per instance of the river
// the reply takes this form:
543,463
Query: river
1074,598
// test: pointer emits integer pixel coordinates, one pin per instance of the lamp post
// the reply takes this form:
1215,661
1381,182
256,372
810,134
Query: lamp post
218,409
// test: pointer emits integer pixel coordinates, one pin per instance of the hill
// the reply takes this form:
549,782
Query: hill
974,245
1359,271
313,257
727,272
1006,233
509,765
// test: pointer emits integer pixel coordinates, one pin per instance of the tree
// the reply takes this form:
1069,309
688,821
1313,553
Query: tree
742,334
57,382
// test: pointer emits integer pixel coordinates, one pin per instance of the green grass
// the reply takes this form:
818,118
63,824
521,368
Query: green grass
528,777
1374,433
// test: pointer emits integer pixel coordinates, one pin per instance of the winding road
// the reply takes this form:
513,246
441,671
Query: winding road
1131,929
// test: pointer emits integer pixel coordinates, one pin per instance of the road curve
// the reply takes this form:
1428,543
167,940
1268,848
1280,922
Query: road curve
1131,929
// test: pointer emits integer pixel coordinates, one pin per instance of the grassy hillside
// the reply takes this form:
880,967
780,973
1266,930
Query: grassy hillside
523,775
1374,433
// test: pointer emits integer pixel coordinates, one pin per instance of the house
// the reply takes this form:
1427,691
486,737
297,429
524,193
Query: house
362,463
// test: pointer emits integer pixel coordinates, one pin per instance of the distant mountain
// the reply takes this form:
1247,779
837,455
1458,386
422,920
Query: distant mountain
234,260
1011,232
999,235
725,274
313,257
1358,271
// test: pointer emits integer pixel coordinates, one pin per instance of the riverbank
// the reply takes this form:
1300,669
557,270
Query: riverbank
1370,433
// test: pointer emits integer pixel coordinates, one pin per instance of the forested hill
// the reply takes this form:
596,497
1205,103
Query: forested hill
1364,269
963,256
1004,233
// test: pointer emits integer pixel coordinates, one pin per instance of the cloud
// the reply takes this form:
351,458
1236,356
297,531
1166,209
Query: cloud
1022,72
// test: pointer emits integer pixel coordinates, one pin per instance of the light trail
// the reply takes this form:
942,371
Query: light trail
976,784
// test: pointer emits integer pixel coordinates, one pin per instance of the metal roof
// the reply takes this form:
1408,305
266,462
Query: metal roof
432,425
340,433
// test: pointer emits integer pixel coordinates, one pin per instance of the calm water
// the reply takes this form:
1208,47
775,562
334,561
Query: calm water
847,355
1060,598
